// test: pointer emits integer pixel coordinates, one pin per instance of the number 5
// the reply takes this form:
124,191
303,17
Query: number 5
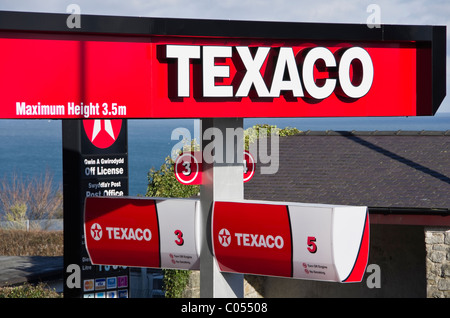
312,244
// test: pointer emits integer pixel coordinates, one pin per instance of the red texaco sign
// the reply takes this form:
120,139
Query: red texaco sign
198,69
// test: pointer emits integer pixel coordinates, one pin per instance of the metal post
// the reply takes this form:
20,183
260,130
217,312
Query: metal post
222,180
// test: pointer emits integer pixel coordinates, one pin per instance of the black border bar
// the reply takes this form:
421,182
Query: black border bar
427,35
146,26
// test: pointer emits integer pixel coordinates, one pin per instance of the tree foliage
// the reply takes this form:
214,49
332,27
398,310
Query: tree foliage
253,133
32,198
162,183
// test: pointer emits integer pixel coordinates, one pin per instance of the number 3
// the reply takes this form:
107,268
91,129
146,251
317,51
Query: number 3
312,244
187,166
180,240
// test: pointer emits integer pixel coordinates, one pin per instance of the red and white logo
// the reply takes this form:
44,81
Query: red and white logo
249,166
102,132
224,237
96,231
188,168
128,227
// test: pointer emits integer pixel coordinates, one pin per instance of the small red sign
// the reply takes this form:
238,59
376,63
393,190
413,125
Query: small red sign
120,231
102,132
188,168
249,166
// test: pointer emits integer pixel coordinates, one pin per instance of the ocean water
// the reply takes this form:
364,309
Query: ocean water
30,147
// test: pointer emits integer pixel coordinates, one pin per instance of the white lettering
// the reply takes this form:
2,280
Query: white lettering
109,229
351,54
138,234
183,53
279,242
318,92
129,234
39,110
271,243
354,77
83,110
109,171
253,75
259,240
116,233
211,71
262,242
286,61
246,238
238,236
147,235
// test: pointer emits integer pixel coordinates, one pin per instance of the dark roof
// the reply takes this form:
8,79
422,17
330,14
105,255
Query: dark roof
376,169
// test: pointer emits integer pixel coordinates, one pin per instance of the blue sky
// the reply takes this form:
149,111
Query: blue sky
418,12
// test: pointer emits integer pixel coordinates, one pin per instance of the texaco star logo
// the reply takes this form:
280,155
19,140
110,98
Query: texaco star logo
224,237
96,231
102,132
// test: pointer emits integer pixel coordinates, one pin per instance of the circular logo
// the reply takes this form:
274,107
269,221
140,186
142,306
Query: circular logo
249,166
102,132
224,237
187,168
96,231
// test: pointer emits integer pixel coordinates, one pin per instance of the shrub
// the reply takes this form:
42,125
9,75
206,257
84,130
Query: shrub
31,243
30,198
40,290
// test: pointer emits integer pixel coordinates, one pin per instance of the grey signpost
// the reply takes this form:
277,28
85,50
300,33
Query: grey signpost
222,180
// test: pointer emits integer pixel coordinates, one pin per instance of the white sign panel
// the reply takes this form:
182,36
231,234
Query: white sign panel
178,228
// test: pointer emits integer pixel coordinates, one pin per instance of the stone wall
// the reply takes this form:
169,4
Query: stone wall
437,242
